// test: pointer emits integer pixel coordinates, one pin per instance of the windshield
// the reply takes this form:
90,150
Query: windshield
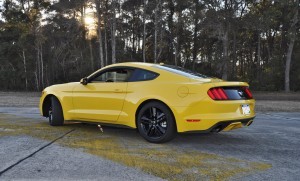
181,71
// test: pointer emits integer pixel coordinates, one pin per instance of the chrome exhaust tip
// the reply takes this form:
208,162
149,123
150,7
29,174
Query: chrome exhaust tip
249,123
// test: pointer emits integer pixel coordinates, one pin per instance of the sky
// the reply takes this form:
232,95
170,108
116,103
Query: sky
1,4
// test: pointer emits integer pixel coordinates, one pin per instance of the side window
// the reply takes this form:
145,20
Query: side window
142,75
113,75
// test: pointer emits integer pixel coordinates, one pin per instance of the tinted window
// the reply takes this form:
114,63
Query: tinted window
113,75
181,71
142,75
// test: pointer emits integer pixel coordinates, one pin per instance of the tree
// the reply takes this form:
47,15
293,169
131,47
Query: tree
113,31
144,29
292,34
45,42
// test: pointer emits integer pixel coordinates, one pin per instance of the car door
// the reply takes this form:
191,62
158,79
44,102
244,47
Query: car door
103,97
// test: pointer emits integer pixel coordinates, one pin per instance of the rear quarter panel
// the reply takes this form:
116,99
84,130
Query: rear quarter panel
201,106
186,98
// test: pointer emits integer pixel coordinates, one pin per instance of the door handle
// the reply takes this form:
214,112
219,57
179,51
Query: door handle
118,90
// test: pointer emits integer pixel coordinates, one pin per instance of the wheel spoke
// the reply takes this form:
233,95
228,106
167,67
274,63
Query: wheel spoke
150,131
153,112
50,113
158,131
161,117
161,129
145,120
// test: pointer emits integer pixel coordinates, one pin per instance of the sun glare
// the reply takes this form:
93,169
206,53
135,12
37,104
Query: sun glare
90,24
89,21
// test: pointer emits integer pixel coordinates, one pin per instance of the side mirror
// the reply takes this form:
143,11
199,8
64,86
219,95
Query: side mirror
84,81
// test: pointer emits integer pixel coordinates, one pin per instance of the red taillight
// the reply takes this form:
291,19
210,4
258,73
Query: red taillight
211,95
222,93
230,93
249,94
217,94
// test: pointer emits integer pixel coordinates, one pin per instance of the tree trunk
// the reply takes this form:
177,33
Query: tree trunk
225,55
161,32
288,64
133,51
234,56
170,25
144,32
179,28
225,42
38,71
25,70
105,40
258,57
155,31
99,33
82,15
290,49
91,54
36,81
42,66
195,42
113,33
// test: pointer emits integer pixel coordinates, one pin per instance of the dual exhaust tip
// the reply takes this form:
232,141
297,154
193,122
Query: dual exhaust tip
231,126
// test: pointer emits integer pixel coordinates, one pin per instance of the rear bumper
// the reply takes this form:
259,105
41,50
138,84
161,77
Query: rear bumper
226,126
210,113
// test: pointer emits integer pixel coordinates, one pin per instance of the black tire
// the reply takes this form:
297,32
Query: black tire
56,117
155,123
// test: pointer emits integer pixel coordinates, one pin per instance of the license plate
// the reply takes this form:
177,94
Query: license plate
246,108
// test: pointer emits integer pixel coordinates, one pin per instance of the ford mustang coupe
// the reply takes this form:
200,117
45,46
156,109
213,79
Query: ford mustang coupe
159,100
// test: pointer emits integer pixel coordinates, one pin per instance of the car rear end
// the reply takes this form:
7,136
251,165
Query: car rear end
216,106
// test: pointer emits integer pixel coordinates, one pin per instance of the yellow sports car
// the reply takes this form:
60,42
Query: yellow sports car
159,100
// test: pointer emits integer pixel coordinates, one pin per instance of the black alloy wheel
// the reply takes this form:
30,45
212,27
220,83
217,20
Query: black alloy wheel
55,113
156,123
50,114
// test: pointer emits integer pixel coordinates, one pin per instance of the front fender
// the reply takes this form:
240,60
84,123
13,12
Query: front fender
63,93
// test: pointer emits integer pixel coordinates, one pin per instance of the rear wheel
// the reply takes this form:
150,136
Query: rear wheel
155,123
55,112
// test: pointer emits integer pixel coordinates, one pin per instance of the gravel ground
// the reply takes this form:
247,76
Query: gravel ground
31,149
59,163
291,96
19,99
277,106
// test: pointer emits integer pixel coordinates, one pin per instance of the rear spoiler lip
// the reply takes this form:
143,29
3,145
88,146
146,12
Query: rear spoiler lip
231,84
223,84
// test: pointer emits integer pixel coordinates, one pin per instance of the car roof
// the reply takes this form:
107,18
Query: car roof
142,65
133,64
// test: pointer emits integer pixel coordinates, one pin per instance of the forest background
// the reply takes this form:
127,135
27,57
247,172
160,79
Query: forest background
45,42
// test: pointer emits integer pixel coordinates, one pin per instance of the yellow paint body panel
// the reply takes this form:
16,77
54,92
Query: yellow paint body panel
118,102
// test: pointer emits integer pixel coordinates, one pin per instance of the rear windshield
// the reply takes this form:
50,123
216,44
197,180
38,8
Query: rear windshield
181,71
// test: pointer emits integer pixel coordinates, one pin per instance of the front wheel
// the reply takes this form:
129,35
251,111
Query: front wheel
55,113
155,123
